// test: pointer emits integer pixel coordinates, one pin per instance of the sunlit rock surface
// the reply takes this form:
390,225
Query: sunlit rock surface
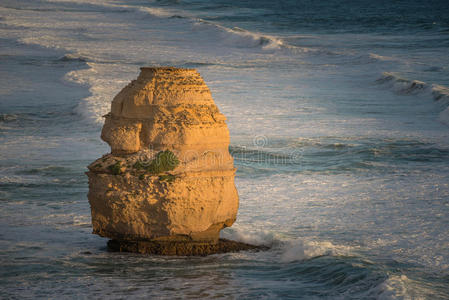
169,177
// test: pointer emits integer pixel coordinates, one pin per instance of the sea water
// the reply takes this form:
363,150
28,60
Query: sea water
339,121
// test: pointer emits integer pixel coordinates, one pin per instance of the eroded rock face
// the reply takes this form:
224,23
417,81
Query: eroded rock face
169,176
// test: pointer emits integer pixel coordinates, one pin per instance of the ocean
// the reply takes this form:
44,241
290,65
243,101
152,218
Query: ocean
339,120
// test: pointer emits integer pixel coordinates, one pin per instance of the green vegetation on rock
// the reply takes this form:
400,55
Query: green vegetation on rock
163,162
115,168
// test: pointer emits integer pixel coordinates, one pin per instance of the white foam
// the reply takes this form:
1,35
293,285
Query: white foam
380,57
82,221
291,250
399,286
103,83
307,249
249,235
316,207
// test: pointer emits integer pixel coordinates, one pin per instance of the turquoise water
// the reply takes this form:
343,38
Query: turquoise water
339,120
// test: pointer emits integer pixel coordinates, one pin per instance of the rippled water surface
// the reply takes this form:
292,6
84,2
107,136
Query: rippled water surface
339,123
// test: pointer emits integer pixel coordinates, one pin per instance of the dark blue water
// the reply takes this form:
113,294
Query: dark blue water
391,17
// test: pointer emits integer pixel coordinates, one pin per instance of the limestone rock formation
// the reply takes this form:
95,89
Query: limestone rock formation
169,177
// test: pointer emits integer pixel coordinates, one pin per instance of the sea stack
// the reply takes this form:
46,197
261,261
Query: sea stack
167,187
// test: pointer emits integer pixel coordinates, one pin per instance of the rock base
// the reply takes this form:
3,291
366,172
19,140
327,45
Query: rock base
181,248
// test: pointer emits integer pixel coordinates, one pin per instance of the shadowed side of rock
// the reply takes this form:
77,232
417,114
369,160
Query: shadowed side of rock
181,248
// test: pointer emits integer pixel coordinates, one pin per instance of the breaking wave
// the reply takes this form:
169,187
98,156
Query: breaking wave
401,85
242,38
340,266
71,57
99,73
380,57
231,36
404,86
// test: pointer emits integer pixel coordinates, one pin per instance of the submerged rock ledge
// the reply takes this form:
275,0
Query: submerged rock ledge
168,184
180,248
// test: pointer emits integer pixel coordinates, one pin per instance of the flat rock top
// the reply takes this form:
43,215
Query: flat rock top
165,69
161,86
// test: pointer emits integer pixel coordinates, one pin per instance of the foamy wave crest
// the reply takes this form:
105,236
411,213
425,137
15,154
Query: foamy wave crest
25,179
101,86
95,106
440,93
290,251
76,57
394,287
245,235
235,37
405,86
241,38
402,85
158,12
401,287
154,11
380,57
61,220
302,250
